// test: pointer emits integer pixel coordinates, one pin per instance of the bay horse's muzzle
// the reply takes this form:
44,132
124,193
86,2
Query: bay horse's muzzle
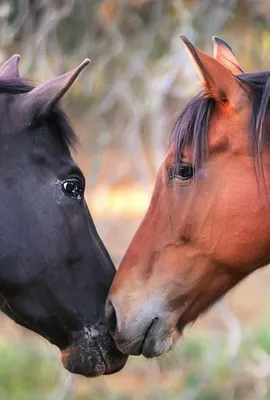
147,332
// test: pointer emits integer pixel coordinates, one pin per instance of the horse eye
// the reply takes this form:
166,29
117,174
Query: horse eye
183,172
73,187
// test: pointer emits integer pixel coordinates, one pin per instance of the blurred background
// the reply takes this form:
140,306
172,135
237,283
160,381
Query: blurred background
123,108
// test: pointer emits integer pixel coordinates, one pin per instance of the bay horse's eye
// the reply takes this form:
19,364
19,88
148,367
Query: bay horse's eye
183,172
73,187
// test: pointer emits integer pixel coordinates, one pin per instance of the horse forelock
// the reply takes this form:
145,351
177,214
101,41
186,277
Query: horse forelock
192,125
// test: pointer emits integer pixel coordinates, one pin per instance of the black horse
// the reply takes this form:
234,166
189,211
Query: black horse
55,272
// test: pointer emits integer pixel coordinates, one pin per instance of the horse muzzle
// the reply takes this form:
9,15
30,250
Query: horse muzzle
147,333
92,353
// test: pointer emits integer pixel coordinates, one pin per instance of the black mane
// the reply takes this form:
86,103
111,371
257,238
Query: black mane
56,118
191,127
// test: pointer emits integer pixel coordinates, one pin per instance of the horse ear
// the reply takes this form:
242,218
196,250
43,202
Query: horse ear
10,68
224,54
48,94
217,79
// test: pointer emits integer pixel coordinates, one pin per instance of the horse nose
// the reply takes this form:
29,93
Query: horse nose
140,331
111,318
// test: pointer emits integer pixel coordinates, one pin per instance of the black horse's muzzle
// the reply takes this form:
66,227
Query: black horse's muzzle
92,353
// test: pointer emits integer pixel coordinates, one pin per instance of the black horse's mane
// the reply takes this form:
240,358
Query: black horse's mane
56,118
191,127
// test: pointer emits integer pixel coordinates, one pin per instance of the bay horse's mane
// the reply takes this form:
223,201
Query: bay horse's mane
191,127
56,118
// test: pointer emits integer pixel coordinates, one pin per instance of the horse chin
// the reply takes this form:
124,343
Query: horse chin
155,348
157,340
93,353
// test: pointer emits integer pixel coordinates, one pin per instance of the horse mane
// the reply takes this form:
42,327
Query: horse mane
191,127
56,118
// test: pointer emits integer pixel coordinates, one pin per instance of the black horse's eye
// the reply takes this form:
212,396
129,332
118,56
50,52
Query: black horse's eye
183,172
73,187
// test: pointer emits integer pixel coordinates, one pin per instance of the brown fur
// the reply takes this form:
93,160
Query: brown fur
199,237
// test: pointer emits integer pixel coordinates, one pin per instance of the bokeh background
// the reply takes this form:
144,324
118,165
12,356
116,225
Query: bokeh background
123,108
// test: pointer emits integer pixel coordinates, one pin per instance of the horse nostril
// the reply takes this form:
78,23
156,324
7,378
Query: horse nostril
110,317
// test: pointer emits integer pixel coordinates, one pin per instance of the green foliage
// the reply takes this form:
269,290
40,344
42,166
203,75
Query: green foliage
205,371
24,373
193,348
262,337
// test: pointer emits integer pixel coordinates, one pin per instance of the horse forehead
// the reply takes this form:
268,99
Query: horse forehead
12,115
21,145
227,127
6,106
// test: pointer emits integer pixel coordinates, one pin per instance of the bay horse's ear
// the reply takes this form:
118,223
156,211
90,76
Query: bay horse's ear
48,94
11,68
218,80
224,54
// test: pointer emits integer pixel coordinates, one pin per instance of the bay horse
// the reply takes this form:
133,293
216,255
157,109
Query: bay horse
55,272
208,223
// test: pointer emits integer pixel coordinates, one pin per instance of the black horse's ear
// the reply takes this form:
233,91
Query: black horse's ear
45,96
11,68
224,54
